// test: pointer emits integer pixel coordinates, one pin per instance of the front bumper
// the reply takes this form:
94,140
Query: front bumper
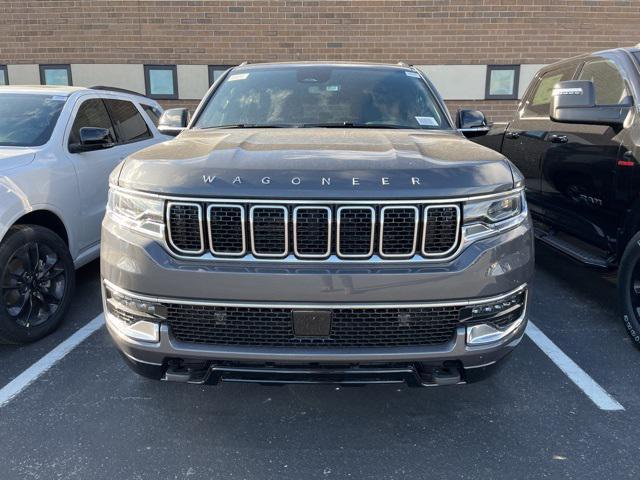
487,269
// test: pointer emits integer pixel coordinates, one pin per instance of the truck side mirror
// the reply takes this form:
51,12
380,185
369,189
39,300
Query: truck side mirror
472,123
173,121
92,138
574,101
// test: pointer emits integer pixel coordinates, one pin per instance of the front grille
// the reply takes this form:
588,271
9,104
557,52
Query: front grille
185,227
441,226
348,231
226,229
269,231
312,232
350,327
356,231
399,229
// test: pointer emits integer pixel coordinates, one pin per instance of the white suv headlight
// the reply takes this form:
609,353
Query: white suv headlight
137,212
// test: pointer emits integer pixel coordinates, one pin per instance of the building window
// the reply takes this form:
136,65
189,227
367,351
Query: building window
161,81
4,76
55,75
216,71
502,82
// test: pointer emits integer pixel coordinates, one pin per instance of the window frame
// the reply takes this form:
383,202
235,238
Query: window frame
516,82
55,66
119,134
5,71
147,81
211,68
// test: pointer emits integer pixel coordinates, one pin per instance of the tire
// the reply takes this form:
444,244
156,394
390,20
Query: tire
37,279
628,285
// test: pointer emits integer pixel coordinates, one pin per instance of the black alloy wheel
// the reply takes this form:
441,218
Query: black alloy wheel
36,281
629,288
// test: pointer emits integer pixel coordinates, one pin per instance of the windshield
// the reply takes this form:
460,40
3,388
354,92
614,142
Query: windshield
27,120
323,96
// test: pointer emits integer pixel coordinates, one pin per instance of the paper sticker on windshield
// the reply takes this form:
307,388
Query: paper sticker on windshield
333,88
412,74
427,121
59,98
238,76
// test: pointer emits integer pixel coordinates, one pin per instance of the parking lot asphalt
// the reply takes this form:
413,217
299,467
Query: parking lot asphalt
89,417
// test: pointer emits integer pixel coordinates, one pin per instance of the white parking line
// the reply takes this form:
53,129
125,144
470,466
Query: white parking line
22,381
583,381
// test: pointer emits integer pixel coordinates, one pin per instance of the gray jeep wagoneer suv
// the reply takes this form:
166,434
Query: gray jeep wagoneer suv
317,222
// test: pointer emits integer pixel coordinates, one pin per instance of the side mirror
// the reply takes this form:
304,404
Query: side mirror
92,138
173,121
574,101
472,123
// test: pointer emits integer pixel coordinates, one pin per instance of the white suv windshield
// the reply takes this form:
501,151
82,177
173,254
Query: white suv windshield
323,96
27,120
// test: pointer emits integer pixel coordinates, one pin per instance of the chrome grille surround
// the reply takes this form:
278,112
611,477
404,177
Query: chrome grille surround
253,219
296,248
210,229
416,215
340,228
425,227
198,207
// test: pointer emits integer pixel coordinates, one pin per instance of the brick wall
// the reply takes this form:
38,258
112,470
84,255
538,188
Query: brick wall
420,32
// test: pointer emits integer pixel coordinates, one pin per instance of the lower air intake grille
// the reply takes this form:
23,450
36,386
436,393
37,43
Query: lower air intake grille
350,327
185,227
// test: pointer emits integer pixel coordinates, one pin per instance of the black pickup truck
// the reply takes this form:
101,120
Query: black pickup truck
576,138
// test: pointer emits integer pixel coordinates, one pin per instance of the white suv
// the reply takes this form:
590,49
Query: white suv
58,146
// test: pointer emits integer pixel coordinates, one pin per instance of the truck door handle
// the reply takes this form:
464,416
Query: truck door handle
558,138
512,135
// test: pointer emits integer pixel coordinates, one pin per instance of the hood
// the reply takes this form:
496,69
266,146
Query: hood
317,163
14,157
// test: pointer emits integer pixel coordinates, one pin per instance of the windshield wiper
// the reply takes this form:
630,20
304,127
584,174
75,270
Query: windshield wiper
249,125
355,125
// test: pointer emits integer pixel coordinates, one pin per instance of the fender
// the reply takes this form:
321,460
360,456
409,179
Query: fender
15,204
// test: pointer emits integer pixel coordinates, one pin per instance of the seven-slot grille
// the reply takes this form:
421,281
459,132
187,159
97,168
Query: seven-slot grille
350,231
350,327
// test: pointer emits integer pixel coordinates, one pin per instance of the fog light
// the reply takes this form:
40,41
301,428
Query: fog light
137,319
491,322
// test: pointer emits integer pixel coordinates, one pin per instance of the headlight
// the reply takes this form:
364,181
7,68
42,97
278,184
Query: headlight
495,210
143,214
483,218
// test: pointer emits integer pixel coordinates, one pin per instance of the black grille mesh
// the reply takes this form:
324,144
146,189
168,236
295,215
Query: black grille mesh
442,229
312,231
356,231
269,230
184,222
226,229
399,231
384,327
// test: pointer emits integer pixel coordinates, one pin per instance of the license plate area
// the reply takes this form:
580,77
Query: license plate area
311,323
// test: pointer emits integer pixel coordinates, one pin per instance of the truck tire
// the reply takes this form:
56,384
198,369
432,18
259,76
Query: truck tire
37,279
629,288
